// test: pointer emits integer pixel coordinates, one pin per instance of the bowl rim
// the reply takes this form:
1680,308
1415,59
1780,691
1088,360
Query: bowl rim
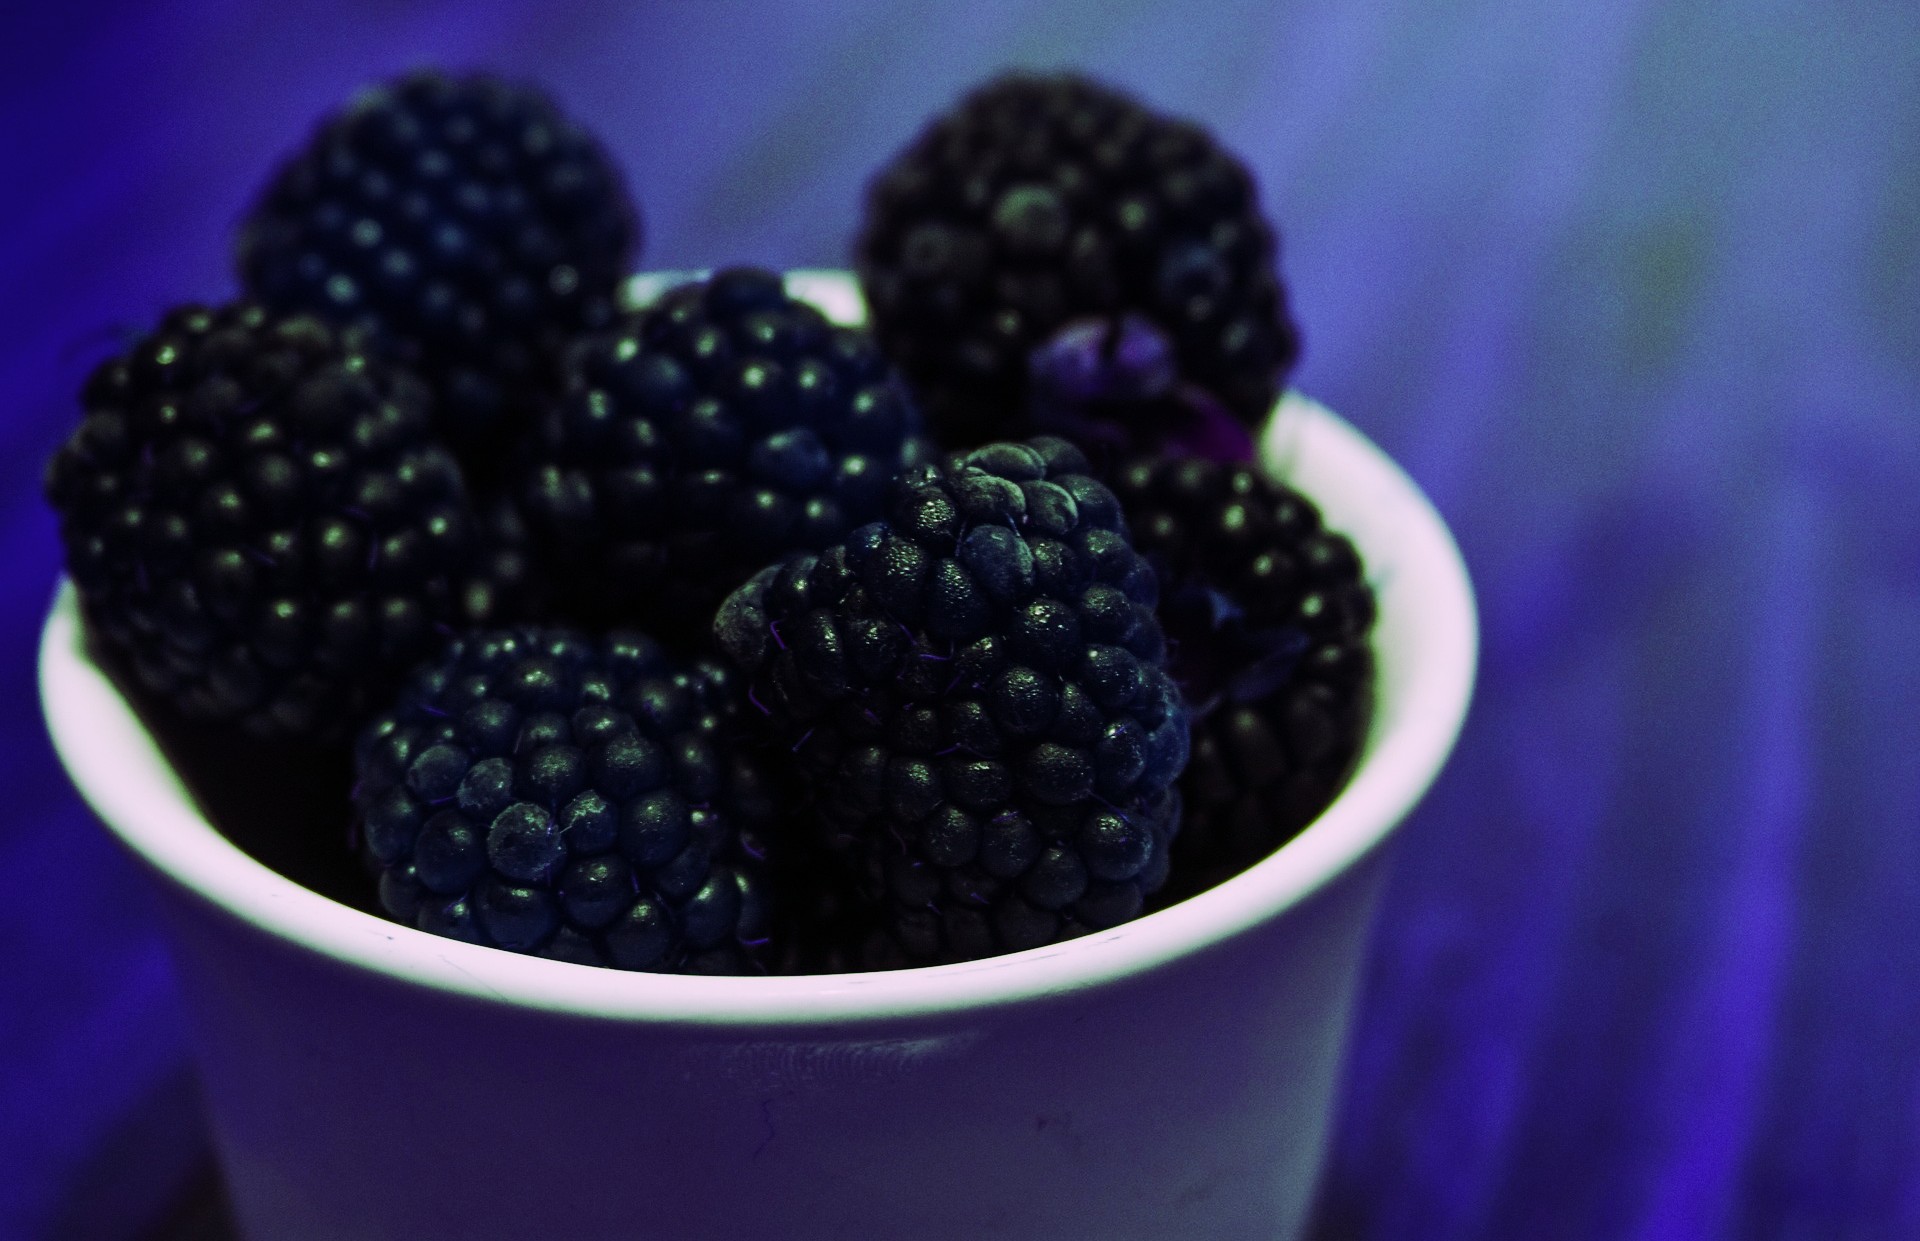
1426,683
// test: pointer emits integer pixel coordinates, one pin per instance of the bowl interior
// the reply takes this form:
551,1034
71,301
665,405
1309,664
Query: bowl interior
1425,642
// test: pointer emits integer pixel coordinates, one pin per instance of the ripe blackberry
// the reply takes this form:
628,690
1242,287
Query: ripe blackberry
1043,200
258,517
463,221
1267,615
542,792
974,692
703,439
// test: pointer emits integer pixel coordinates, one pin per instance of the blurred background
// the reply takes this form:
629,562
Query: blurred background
1632,289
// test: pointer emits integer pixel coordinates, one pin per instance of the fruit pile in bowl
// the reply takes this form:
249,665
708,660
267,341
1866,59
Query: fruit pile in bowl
714,624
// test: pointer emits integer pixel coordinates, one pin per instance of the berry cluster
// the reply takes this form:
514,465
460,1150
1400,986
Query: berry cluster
974,688
466,225
705,437
581,800
1041,201
660,637
1267,615
260,521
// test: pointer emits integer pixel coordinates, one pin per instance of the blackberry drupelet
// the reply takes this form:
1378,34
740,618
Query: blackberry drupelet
577,798
1041,201
704,438
467,224
975,695
1267,615
259,520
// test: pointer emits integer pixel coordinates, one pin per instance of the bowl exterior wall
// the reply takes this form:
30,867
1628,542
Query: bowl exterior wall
1193,1100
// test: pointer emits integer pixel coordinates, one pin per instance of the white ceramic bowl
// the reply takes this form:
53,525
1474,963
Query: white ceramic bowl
1169,1077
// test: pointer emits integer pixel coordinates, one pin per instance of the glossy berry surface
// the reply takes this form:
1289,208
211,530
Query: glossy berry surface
1267,615
466,224
703,439
259,520
973,690
576,798
1041,202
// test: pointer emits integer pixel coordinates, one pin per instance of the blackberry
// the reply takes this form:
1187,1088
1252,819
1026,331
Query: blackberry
259,520
467,224
703,439
1267,615
576,798
975,695
1041,201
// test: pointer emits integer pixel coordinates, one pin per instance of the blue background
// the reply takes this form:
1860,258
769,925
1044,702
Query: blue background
1632,289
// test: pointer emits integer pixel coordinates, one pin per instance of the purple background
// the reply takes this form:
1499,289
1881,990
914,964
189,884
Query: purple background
1632,289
